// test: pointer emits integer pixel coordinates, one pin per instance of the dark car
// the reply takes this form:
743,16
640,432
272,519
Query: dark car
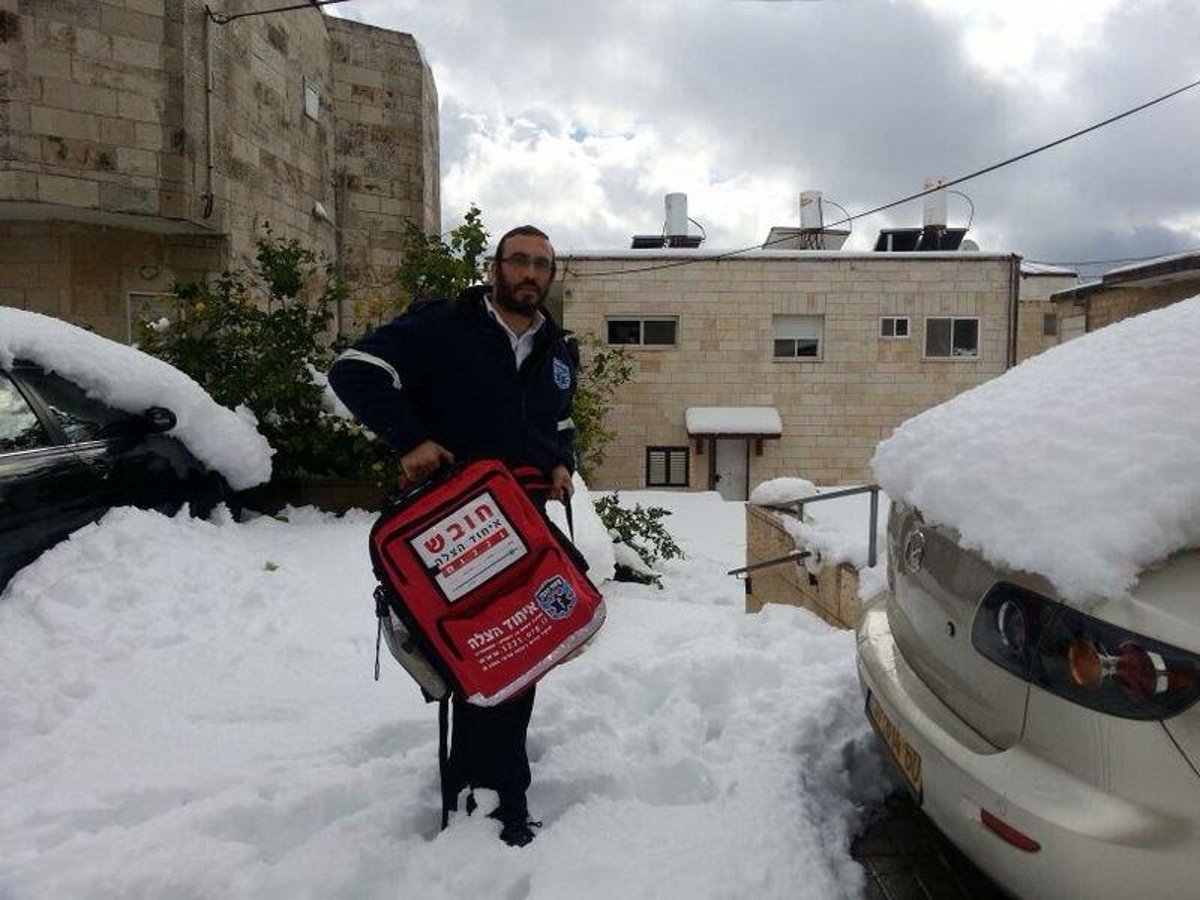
66,459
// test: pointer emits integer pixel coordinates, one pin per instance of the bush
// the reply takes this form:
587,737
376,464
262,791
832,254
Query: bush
641,529
435,269
602,371
254,339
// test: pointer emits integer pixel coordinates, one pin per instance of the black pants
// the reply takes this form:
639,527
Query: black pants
487,749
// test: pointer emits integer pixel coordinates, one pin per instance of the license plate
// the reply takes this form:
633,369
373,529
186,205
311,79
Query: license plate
907,759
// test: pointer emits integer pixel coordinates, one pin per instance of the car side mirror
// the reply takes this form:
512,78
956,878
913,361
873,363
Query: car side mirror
159,419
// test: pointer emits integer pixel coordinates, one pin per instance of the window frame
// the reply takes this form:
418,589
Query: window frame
819,356
1050,324
951,356
668,449
641,323
895,320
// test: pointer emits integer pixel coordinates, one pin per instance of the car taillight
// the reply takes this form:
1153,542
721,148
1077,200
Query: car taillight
1083,659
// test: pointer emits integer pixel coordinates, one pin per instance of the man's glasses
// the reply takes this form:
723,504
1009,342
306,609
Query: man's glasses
522,260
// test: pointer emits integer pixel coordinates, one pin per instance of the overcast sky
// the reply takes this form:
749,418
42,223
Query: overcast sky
579,116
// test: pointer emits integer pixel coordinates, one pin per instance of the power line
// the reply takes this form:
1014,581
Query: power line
870,212
1105,262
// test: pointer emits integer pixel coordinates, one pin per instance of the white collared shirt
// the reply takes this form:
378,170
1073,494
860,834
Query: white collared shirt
522,344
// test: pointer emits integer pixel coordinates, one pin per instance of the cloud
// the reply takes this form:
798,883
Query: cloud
581,116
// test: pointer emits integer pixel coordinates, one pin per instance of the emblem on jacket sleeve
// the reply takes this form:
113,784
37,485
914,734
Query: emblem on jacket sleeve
562,375
556,597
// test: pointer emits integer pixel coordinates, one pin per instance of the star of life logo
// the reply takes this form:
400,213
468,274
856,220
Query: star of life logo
562,374
556,597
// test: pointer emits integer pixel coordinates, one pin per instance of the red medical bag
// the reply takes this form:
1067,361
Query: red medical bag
477,574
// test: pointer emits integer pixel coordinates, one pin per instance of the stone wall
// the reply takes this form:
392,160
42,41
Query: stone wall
94,106
1114,304
834,410
88,274
387,149
831,593
273,162
106,122
1035,306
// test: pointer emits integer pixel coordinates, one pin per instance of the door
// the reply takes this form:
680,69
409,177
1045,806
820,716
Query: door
45,489
731,468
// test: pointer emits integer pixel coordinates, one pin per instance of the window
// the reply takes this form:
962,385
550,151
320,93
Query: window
950,337
798,337
893,327
1049,324
648,332
81,417
312,101
666,467
19,426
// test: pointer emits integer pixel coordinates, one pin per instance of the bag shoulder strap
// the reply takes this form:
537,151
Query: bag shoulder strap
449,800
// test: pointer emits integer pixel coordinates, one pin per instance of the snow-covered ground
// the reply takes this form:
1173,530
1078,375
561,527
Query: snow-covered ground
187,711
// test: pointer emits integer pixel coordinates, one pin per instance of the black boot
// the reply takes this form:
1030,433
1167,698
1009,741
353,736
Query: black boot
516,828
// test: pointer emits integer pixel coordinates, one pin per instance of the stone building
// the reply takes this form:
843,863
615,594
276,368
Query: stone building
145,142
1126,292
1037,322
785,363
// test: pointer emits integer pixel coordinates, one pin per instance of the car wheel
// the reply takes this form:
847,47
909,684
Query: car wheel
213,490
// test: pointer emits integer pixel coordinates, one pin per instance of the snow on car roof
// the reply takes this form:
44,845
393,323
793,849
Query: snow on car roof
1081,464
130,380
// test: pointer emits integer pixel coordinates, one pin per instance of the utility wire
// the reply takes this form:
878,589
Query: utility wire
1104,262
910,197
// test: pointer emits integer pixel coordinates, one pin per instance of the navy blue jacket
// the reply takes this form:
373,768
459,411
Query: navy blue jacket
445,371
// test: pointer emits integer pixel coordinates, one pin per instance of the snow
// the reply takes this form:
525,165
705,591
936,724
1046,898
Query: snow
733,420
1151,263
1080,464
589,536
187,710
127,379
1032,268
631,559
838,529
331,404
781,491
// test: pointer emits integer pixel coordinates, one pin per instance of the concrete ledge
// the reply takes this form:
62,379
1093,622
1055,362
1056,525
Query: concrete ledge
832,593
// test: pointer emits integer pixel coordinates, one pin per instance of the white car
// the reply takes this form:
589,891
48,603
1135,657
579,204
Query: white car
1034,666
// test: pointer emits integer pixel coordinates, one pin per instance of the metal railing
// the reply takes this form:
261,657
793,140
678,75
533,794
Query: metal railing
796,507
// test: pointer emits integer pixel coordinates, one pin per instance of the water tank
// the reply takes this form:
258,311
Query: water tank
677,217
810,210
935,203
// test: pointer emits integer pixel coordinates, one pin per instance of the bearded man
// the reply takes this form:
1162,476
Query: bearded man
488,375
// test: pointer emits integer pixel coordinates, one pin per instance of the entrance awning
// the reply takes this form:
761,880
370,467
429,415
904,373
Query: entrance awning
757,422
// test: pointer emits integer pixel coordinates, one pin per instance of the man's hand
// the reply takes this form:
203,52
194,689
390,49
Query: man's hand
422,461
561,486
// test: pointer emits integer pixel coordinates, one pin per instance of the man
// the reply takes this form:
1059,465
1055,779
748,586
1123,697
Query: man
487,375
